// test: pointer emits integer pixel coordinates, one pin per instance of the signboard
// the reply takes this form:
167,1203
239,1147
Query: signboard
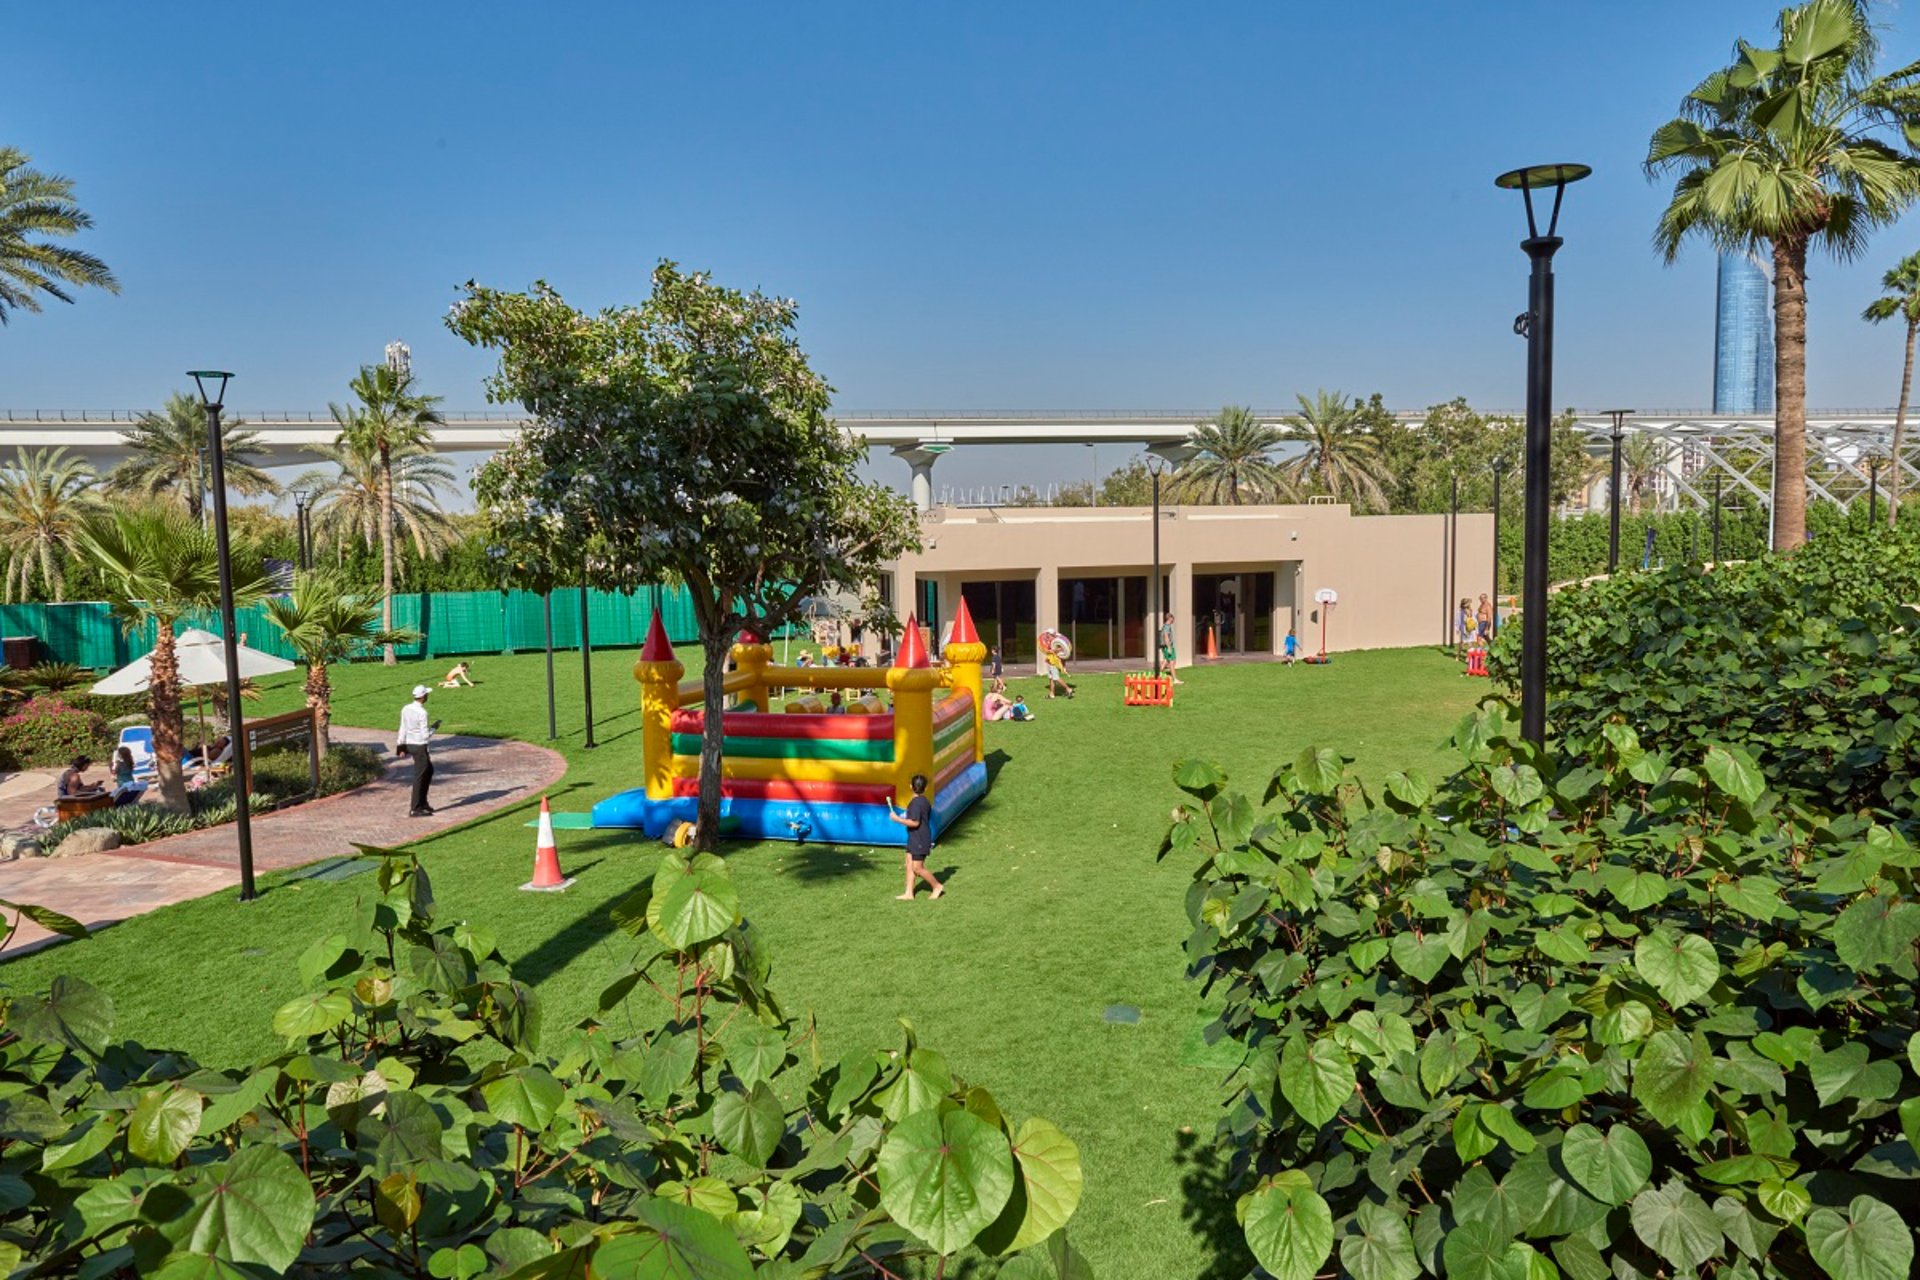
294,728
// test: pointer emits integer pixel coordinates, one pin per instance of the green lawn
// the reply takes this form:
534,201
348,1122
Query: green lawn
1056,909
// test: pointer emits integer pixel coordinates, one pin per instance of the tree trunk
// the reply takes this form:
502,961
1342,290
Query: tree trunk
1790,393
320,700
713,682
387,655
163,693
1900,430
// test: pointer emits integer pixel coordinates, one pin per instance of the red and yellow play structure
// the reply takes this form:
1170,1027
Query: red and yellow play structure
804,772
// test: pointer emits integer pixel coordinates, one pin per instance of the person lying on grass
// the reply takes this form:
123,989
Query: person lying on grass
917,818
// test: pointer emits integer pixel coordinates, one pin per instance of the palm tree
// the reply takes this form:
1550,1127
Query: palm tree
161,568
35,203
391,418
1342,457
168,457
1643,460
1234,460
1789,148
1902,299
45,497
326,621
350,502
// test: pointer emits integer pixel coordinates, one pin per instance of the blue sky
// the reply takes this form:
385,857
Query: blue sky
979,207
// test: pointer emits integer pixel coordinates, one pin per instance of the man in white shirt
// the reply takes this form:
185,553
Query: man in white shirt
415,734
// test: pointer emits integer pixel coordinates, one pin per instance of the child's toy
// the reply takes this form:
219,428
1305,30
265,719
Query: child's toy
807,774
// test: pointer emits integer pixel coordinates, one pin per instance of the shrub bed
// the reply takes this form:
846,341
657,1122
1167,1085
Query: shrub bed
1632,1011
413,1127
49,731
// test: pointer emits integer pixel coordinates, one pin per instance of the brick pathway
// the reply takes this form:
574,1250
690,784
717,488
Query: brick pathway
472,777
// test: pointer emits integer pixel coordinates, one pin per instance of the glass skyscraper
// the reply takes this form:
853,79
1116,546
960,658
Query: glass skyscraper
1742,337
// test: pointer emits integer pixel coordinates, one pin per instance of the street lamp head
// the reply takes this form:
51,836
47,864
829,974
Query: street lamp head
1498,466
1168,454
1541,177
201,377
299,496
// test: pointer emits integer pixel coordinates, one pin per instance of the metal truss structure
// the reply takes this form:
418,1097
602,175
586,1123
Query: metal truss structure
1739,451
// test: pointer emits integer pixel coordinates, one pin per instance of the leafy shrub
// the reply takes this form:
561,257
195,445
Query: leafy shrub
57,677
49,731
412,1129
1811,663
283,773
136,824
1643,1016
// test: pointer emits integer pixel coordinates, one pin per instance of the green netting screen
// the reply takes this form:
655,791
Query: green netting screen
85,633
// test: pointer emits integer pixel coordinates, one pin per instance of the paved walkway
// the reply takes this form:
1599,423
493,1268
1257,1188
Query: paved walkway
472,777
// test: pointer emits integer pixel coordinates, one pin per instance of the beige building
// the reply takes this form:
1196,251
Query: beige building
1250,573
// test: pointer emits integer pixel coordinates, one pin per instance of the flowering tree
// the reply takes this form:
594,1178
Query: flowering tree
688,439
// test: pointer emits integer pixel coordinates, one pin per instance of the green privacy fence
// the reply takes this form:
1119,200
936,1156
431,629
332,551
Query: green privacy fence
450,622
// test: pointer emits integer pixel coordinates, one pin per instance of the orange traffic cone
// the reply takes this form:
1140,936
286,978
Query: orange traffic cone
1213,650
546,858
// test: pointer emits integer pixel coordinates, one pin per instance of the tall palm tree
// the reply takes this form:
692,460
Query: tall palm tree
41,204
161,568
1790,148
1902,298
1643,460
349,502
1342,457
326,621
1233,462
168,458
45,497
391,418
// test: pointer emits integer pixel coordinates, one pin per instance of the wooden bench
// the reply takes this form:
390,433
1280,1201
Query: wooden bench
67,807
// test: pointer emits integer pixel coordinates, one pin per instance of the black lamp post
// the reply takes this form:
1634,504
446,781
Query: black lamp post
586,660
1613,491
1535,324
211,399
1716,517
1160,460
1873,493
1499,468
301,497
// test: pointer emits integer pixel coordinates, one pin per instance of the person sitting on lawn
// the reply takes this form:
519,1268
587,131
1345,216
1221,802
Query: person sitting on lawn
996,704
1019,710
462,673
74,784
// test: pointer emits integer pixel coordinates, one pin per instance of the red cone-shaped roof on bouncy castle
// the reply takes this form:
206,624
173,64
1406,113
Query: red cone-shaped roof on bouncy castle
657,648
913,650
963,632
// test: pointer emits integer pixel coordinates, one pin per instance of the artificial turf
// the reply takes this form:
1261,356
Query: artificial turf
1057,910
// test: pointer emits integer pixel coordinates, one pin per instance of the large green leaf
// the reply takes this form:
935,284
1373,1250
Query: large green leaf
1319,770
70,1015
1867,1242
755,1052
1851,1071
1046,1194
1420,958
1734,772
1610,1166
749,1123
674,1243
1444,1056
1378,1245
945,1177
529,1097
665,1065
1681,966
163,1123
1479,1251
1289,1228
256,1207
1316,1078
1677,1224
1673,1074
697,907
405,1131
1877,931
921,1084
312,1013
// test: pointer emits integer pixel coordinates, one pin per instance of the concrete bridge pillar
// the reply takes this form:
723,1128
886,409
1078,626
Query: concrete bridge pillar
920,458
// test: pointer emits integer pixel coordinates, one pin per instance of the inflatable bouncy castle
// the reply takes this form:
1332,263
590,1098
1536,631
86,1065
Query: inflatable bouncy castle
805,772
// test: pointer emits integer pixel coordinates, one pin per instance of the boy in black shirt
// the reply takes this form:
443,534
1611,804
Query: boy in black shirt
917,818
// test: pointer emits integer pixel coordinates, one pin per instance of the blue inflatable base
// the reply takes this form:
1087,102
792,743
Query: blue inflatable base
817,822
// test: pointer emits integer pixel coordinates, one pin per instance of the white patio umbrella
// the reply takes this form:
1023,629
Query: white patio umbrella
203,660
